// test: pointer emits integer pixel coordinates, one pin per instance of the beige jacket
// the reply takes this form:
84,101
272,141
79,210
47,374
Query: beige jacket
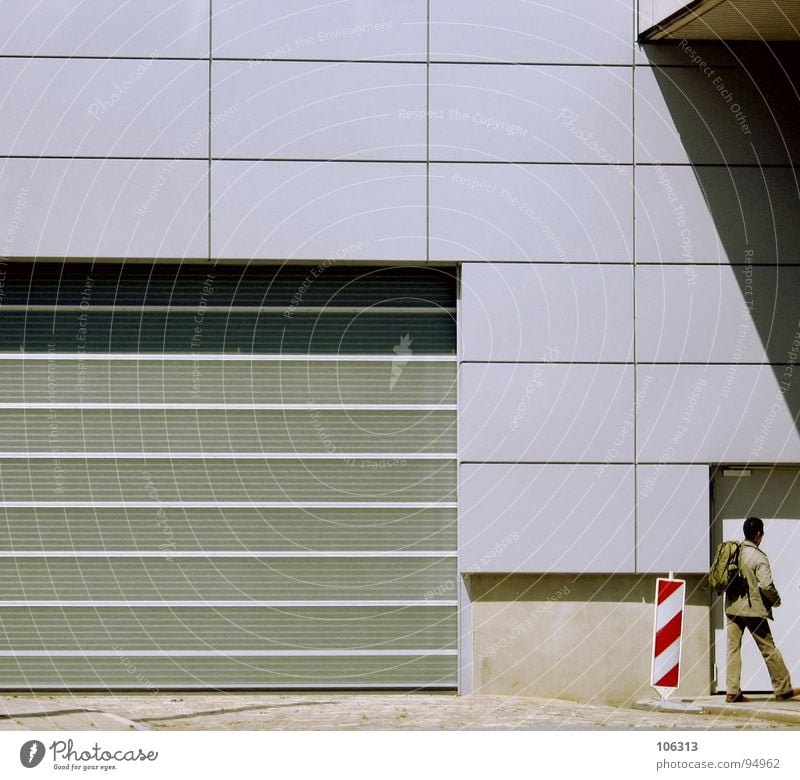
762,594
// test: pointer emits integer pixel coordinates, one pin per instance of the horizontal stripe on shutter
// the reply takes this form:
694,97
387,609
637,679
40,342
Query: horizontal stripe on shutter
400,381
181,628
292,529
227,430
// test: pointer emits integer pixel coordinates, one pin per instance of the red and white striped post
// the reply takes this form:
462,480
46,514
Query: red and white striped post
665,671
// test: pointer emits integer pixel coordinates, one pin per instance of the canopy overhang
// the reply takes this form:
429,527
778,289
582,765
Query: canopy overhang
720,20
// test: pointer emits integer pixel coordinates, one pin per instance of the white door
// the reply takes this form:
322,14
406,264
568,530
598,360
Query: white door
774,496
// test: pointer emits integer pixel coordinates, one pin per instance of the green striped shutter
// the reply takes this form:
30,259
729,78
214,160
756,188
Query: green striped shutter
227,477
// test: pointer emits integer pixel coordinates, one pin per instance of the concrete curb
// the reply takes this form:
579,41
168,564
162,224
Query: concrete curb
748,712
758,709
665,705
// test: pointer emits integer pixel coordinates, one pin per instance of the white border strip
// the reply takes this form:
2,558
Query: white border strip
226,554
279,687
361,456
247,407
228,505
198,357
216,653
232,604
229,310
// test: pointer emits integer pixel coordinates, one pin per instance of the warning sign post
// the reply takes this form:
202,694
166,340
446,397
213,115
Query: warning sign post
665,671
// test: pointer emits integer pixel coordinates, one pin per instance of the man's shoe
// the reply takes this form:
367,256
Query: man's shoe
788,694
737,698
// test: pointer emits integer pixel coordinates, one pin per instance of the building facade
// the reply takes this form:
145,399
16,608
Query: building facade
390,345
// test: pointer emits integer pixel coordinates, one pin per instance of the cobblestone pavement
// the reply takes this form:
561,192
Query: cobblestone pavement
335,711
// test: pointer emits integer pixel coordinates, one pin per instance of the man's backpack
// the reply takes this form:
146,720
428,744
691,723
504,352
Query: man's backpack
725,571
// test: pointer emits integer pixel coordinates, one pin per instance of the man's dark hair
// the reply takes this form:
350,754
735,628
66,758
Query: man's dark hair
753,526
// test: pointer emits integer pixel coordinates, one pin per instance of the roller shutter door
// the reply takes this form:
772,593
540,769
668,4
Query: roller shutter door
227,477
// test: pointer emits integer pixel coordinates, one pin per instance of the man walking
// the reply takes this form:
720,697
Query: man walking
748,605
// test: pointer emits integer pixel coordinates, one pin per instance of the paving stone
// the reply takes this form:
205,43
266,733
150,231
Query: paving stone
385,711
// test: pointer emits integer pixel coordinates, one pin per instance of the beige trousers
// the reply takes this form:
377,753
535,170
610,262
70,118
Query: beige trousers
759,628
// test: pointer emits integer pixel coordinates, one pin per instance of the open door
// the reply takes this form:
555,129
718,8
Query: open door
773,494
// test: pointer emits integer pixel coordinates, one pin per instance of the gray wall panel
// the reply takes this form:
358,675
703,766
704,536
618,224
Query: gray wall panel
718,414
307,29
488,112
319,210
549,313
543,413
553,518
673,523
105,208
530,212
106,28
320,110
104,107
579,31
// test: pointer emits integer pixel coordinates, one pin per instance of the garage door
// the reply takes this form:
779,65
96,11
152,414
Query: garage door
227,477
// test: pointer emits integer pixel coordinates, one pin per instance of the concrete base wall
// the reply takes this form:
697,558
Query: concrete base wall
585,638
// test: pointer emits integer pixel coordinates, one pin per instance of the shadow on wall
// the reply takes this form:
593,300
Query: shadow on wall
607,589
724,153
